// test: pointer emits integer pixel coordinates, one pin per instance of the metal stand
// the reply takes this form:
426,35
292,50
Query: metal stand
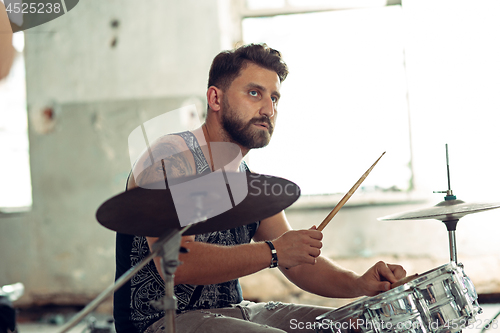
127,276
452,226
169,253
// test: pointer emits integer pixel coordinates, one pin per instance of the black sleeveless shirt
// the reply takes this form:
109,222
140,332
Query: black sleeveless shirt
132,304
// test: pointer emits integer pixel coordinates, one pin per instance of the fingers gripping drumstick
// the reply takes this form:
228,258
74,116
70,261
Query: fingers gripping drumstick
347,196
404,280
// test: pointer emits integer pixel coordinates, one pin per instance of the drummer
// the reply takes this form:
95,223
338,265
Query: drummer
243,96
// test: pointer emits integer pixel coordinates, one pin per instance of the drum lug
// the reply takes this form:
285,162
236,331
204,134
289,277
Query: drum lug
466,311
480,309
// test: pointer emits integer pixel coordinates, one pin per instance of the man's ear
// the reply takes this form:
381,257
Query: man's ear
214,98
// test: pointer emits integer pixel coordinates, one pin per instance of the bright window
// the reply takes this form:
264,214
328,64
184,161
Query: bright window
15,188
344,102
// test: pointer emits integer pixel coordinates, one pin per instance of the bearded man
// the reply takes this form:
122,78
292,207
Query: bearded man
243,95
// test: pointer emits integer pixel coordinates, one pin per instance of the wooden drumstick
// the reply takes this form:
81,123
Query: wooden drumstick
404,280
347,196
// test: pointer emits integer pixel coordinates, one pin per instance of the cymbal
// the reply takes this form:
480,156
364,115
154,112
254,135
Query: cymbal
152,212
444,211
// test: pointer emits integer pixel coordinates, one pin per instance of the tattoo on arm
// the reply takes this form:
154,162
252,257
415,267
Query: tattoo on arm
175,161
178,166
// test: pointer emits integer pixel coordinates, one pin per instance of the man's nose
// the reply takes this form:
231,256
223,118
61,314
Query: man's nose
267,108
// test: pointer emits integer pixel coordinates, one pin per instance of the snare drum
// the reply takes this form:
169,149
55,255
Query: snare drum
442,300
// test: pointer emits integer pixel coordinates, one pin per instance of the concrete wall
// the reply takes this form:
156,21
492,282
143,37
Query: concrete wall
102,81
102,69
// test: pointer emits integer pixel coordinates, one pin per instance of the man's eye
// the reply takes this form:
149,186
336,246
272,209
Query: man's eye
253,93
274,99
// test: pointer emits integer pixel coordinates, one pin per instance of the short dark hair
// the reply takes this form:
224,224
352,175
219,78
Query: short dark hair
227,65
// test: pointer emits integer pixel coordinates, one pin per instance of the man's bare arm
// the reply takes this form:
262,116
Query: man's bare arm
323,277
205,263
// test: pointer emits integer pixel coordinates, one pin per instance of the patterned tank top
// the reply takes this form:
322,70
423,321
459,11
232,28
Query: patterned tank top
133,310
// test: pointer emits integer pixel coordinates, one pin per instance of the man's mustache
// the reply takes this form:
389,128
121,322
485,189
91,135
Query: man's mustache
263,119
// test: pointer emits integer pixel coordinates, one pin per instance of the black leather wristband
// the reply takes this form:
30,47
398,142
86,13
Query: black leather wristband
274,259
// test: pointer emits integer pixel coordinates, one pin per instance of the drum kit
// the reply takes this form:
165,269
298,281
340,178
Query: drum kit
442,300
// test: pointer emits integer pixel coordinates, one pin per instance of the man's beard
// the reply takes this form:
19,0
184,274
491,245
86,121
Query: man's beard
243,133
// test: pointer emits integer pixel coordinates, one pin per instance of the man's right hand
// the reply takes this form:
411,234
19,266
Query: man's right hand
297,247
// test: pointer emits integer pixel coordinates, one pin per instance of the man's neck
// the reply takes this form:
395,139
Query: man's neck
216,133
213,152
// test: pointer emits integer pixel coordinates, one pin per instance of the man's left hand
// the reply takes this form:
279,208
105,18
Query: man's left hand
379,278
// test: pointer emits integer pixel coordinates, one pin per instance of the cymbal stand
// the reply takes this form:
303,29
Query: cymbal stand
122,280
169,253
451,225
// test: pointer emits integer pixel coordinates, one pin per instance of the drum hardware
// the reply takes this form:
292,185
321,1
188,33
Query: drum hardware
120,282
448,211
421,302
155,211
442,300
9,294
451,224
169,253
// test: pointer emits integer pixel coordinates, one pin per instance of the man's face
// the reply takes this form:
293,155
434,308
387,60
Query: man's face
249,106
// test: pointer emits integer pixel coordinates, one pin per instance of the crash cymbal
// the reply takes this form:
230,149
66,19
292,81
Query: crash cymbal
202,201
447,210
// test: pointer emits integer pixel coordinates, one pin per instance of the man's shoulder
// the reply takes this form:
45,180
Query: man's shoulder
170,143
162,148
166,156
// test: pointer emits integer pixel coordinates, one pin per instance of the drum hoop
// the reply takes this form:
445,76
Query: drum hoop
366,301
449,268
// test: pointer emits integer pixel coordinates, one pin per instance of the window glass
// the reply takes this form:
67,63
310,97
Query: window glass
15,191
344,102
